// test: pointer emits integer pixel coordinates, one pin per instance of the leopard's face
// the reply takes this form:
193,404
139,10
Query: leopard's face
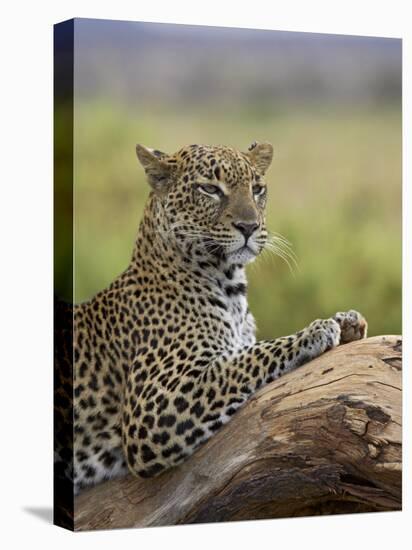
213,199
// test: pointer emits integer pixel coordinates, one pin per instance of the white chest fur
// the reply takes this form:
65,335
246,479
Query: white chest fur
233,287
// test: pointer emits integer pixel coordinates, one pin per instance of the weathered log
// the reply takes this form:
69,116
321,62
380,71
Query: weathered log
323,439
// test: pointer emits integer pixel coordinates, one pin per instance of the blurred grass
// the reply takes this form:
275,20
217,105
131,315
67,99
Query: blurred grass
335,193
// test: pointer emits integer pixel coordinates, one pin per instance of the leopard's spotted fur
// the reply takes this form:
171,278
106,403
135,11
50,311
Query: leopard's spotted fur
167,354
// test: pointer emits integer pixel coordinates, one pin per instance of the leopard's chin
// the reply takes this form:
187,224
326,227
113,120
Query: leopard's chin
243,255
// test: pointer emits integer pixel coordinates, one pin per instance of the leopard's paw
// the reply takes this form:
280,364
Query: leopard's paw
325,334
352,324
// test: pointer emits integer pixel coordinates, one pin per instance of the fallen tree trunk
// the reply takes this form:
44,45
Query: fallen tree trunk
323,439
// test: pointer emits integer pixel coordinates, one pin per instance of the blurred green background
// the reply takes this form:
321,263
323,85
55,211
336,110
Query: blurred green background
331,106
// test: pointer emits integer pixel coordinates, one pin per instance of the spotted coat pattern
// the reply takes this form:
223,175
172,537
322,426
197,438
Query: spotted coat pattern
166,355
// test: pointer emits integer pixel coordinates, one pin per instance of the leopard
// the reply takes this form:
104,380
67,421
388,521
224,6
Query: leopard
167,353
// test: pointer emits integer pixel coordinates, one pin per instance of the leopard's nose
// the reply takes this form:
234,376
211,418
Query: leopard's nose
246,228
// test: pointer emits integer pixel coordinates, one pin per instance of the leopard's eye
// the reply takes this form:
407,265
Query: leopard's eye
258,190
208,189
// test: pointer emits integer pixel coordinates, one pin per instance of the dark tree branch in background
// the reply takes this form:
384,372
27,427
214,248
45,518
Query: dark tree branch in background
324,439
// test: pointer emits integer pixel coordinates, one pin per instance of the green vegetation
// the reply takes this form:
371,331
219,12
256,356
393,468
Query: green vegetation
335,193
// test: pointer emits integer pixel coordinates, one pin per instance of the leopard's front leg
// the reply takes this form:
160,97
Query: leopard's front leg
166,417
324,334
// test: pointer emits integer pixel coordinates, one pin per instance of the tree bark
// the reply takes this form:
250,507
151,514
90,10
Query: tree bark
323,439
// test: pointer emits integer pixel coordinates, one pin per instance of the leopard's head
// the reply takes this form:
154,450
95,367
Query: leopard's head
212,198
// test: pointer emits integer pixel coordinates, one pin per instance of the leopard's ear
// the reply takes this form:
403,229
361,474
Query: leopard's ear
260,154
157,170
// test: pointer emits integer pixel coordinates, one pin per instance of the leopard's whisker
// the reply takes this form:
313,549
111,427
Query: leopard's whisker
281,241
288,258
